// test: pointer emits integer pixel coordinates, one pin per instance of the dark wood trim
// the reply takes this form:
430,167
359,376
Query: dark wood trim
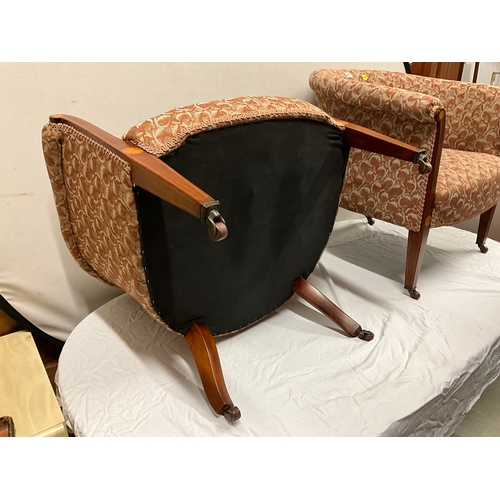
415,251
148,171
476,72
484,228
417,241
356,136
444,70
436,160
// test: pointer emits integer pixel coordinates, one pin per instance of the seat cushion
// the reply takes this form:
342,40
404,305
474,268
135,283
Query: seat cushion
468,184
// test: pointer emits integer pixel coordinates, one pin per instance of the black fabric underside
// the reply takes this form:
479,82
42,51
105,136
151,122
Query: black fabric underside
278,183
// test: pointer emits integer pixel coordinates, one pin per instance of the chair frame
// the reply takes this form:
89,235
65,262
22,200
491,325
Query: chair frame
154,175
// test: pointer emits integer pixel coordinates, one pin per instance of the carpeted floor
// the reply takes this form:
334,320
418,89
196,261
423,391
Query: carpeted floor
482,420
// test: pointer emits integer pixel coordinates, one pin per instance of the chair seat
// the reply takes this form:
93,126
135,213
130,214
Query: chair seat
468,184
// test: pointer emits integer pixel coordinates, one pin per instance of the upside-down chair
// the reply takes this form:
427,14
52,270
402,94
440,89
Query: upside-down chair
130,212
457,124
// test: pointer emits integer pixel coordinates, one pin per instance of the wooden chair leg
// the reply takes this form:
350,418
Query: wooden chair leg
202,345
484,228
414,257
312,295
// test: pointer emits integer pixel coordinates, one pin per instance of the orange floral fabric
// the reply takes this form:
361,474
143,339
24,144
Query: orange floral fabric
468,184
404,107
96,208
166,132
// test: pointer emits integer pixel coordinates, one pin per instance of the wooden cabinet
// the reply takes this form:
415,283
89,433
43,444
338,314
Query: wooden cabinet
446,70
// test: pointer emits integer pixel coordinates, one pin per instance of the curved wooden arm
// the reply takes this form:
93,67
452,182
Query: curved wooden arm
152,174
356,136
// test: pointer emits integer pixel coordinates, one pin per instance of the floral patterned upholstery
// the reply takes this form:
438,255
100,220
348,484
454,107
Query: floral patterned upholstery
408,108
166,132
102,237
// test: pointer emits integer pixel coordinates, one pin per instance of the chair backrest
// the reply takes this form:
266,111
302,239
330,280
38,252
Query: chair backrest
276,166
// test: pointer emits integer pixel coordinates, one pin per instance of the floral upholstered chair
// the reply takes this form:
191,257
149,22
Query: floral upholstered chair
130,212
456,123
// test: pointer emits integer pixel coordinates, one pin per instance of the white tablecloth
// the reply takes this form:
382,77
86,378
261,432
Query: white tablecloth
295,373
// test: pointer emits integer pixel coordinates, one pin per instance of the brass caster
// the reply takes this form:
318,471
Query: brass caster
366,335
370,221
232,414
424,166
217,229
483,248
413,293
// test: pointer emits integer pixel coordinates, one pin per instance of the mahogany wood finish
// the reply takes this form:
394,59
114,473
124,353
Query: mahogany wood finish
417,241
204,349
445,70
356,136
151,173
484,228
476,72
318,300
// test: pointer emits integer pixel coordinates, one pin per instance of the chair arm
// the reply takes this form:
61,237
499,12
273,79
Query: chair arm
152,174
384,188
371,97
359,137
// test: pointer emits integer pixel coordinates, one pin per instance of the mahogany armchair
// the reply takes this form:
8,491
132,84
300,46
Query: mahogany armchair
458,126
130,212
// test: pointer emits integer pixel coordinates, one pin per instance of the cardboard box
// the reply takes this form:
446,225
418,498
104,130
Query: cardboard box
26,394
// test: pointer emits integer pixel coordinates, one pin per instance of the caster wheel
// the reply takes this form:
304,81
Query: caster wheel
366,335
232,414
414,294
370,221
483,248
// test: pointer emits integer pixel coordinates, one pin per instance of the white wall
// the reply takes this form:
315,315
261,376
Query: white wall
37,274
484,73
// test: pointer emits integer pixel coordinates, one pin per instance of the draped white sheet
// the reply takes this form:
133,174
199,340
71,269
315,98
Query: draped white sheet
296,373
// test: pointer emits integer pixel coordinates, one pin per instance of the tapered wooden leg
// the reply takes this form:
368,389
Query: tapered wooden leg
484,228
202,345
312,295
414,258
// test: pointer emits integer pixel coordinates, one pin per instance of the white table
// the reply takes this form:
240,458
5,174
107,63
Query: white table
295,374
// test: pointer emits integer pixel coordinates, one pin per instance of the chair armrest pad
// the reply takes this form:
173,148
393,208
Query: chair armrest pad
374,97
